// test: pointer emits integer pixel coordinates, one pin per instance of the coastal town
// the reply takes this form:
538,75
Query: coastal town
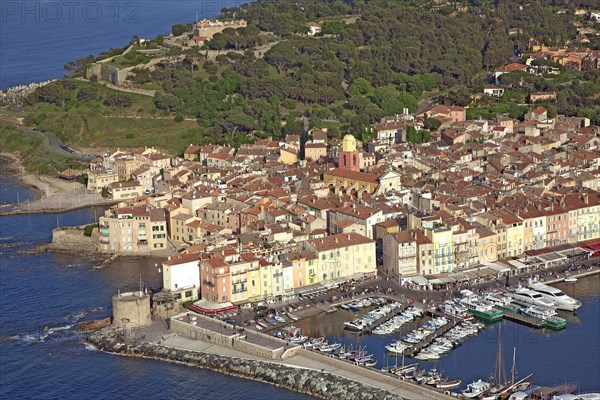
279,226
274,219
336,242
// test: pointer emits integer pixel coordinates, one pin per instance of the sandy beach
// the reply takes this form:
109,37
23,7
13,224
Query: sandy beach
52,194
45,186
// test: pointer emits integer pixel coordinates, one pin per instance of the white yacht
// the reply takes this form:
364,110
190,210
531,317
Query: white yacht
556,296
530,297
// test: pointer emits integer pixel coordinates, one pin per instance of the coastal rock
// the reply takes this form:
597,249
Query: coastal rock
91,326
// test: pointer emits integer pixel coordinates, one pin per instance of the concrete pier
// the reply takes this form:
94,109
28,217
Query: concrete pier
413,350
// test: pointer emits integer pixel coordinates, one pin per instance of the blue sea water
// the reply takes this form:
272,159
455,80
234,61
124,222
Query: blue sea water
37,38
57,291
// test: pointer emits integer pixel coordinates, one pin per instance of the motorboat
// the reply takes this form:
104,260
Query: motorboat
328,348
258,327
453,309
519,396
528,297
396,347
498,299
279,318
476,389
355,306
556,296
449,384
427,355
552,320
293,317
355,325
261,323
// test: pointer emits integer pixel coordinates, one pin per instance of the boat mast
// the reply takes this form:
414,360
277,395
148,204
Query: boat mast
512,379
498,377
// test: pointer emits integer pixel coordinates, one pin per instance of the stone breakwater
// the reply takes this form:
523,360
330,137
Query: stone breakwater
314,383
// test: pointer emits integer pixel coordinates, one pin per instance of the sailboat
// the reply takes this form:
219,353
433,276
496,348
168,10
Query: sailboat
503,388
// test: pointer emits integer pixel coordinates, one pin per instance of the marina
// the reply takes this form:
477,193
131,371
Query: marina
388,352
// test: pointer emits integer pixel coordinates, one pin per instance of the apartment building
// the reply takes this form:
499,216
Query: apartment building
181,276
129,230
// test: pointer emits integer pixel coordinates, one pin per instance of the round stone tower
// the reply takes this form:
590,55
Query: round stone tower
131,309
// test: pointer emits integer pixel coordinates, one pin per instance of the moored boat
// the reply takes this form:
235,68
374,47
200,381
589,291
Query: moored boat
449,384
261,323
481,309
476,389
291,316
279,318
556,296
528,297
552,320
355,325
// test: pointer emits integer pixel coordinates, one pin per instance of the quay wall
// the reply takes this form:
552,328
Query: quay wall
581,275
321,385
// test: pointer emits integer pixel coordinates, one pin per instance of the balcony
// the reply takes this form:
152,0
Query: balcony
239,290
242,271
208,283
104,240
104,231
277,274
236,281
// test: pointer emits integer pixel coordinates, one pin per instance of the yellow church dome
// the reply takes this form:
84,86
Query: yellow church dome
349,143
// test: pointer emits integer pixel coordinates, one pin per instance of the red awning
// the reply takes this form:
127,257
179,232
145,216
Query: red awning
211,311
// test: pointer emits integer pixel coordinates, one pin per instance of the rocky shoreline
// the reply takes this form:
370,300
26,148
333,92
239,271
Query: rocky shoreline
321,385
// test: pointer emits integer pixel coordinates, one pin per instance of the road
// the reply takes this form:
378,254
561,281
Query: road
59,146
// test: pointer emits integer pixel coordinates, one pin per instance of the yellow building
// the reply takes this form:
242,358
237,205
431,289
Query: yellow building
341,256
288,156
353,183
486,245
534,228
314,151
443,247
99,179
588,213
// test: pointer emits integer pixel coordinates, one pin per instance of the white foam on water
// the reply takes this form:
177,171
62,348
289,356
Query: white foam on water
59,328
90,347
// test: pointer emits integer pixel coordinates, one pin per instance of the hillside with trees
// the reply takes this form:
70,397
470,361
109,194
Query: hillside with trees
373,58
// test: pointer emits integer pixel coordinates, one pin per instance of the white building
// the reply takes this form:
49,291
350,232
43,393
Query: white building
181,276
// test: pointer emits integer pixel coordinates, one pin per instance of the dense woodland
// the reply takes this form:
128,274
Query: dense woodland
374,58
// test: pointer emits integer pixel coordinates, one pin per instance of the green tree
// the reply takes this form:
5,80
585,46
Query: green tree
412,135
432,124
180,29
360,86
